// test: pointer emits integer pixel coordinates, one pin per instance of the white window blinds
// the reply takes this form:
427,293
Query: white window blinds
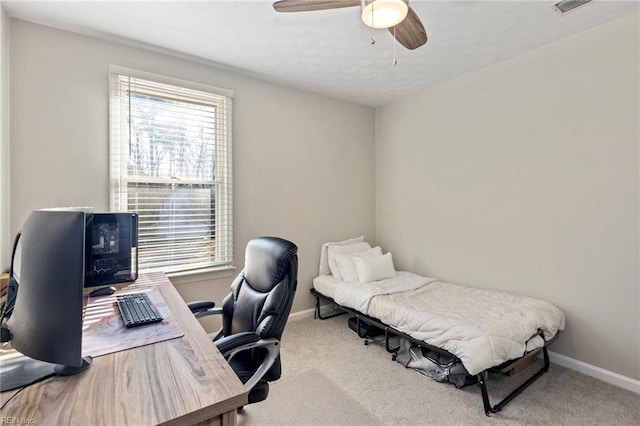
171,162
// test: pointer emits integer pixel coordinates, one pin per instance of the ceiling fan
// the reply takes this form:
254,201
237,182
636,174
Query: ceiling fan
396,15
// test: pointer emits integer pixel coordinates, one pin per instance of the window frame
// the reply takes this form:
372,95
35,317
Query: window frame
120,139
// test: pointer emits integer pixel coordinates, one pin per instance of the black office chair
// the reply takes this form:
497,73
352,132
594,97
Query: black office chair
255,312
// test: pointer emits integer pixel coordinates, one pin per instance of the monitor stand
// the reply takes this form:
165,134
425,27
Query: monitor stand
20,370
67,370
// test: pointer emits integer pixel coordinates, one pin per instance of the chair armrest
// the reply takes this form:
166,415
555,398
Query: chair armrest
235,342
199,305
203,308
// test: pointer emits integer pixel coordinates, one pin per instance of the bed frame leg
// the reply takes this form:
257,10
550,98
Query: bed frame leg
485,393
482,377
317,315
393,350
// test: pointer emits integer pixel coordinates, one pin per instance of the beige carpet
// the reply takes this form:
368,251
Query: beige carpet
310,398
366,388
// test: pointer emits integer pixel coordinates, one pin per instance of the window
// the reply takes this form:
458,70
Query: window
171,162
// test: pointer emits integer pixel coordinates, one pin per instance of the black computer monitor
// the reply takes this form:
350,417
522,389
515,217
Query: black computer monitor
46,323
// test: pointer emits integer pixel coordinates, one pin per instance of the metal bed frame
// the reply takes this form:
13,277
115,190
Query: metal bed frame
390,332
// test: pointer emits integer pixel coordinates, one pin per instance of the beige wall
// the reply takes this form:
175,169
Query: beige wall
523,177
303,163
5,239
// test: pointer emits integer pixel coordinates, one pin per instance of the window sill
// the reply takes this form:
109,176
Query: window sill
206,274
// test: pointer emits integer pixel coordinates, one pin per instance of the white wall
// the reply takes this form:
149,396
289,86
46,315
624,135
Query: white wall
5,239
303,163
523,177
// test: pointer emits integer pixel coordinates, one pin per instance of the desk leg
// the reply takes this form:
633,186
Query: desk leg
230,418
225,419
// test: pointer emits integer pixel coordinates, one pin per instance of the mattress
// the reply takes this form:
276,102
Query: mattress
327,285
483,328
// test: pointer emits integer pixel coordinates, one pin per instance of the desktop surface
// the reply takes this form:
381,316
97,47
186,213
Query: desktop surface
179,381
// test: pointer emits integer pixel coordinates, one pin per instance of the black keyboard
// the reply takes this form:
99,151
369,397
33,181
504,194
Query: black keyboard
137,309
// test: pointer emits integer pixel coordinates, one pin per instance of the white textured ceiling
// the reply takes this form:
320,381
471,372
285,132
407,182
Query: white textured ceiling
329,51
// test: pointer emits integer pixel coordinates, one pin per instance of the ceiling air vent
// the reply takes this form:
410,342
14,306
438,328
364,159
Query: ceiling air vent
567,5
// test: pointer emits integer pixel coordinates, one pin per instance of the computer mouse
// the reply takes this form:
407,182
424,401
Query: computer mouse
104,291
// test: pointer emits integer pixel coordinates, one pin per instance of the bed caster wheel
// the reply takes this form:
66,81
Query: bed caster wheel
393,357
366,343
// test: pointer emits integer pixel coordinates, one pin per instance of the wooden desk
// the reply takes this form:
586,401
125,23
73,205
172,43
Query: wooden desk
4,282
182,381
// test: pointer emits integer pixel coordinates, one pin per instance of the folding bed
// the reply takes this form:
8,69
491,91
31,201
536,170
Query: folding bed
475,331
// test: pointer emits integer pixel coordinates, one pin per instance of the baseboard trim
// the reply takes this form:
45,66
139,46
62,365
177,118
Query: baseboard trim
596,372
309,313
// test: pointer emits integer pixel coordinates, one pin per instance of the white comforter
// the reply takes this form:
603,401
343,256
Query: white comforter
481,327
357,296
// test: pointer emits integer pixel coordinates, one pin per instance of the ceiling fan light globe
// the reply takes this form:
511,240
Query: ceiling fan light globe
383,13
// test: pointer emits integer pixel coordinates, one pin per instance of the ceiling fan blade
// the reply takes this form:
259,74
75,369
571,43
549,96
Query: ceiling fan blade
410,32
306,5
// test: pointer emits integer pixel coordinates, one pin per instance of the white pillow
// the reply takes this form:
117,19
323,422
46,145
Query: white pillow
324,257
333,251
346,266
374,268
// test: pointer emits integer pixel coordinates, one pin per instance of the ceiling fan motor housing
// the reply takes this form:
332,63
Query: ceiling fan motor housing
383,13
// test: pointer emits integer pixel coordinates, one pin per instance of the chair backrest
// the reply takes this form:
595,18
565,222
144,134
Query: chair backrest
262,294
